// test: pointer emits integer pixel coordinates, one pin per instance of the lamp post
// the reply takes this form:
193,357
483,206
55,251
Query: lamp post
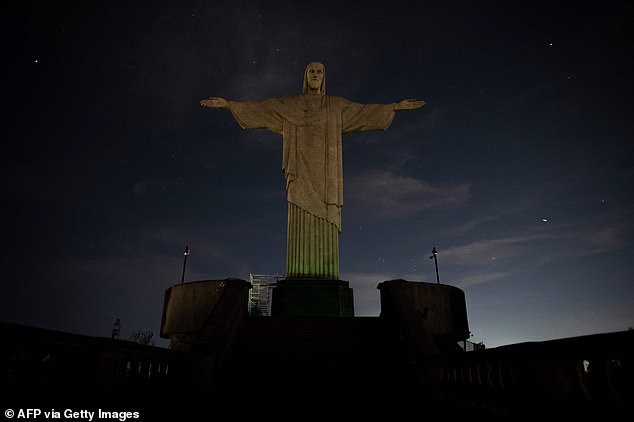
186,253
434,255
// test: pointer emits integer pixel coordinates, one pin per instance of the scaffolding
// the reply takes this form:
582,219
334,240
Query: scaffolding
260,293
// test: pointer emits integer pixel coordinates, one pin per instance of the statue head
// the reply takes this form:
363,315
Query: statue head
314,79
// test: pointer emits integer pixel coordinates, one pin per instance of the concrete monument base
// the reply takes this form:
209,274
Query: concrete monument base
312,297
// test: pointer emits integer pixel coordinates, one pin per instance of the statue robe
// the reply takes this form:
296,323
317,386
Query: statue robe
312,127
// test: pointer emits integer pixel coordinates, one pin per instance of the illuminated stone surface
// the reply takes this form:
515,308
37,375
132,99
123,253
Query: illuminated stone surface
312,125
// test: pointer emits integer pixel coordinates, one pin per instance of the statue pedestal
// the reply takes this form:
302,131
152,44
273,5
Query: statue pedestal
312,297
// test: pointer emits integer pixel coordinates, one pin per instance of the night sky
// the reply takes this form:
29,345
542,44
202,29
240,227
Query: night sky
519,169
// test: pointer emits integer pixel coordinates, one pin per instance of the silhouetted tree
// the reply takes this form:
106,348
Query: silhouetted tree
142,337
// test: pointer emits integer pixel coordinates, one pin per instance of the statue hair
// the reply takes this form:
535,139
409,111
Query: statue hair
322,88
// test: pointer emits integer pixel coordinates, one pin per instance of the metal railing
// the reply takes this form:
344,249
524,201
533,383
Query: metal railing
580,374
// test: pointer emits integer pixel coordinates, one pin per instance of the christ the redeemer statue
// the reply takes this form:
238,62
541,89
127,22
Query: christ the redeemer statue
311,125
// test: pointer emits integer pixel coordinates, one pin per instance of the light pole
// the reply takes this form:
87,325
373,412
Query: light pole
434,255
186,253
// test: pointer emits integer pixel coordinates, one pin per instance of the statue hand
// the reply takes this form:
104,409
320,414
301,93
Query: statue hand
410,104
214,102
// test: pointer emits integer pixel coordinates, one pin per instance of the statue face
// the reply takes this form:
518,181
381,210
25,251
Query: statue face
315,76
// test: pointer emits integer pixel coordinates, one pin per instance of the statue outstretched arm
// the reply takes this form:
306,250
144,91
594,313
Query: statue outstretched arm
409,104
214,102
